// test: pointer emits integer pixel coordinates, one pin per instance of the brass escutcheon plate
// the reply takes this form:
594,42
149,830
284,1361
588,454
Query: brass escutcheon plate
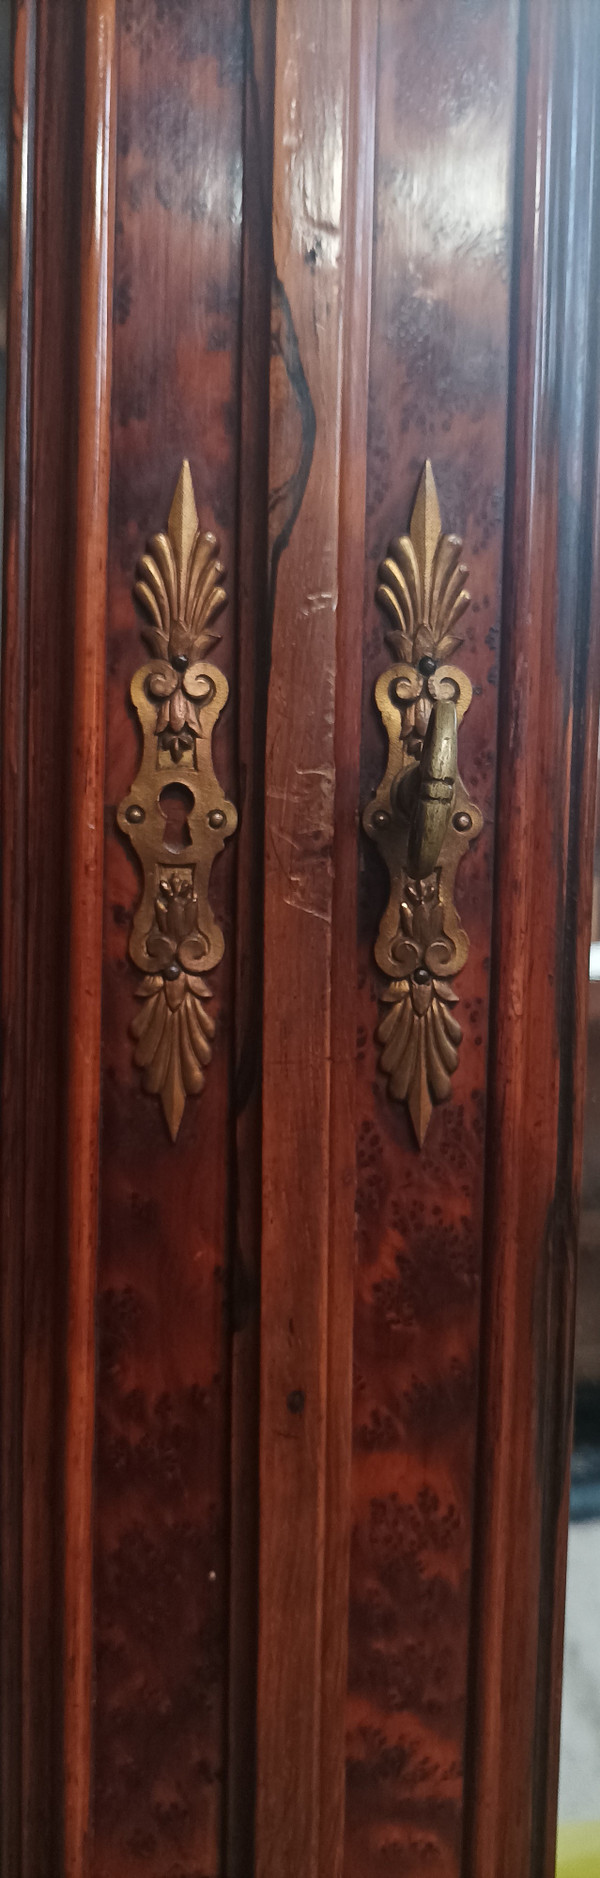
176,815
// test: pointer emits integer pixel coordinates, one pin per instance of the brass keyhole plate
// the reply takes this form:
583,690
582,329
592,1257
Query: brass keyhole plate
176,815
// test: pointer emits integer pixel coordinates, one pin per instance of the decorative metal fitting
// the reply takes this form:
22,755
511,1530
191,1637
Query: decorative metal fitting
421,817
178,697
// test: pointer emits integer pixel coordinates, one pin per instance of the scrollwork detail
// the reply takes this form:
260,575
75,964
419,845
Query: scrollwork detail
178,698
421,945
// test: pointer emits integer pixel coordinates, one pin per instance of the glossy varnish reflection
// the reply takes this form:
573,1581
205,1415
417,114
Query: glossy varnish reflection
548,743
254,654
37,650
314,247
15,671
85,963
358,255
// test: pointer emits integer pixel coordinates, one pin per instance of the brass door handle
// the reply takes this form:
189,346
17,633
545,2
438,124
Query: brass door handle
426,794
422,817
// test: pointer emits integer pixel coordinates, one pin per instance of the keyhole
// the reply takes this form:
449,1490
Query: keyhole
175,802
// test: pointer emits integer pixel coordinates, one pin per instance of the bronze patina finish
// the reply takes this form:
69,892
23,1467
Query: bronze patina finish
178,698
421,817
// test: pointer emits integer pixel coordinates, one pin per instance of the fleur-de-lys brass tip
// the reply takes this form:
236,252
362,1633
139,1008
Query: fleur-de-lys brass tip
176,814
421,817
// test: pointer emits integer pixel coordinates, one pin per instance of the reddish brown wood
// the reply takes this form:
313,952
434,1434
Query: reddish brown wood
249,335
53,434
14,868
85,964
311,92
358,251
253,669
37,664
547,741
162,1487
438,389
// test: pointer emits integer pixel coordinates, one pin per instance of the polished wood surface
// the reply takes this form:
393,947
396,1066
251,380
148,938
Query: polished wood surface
161,1511
358,257
87,856
37,657
438,389
252,1622
15,671
547,744
254,653
311,90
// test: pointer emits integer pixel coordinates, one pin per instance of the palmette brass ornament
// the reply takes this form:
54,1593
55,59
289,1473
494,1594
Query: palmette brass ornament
178,697
421,817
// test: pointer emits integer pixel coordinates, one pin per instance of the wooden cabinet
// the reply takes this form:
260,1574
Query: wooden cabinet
286,1397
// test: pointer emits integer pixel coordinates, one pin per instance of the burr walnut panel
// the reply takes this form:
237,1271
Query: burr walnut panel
438,389
285,1396
162,1473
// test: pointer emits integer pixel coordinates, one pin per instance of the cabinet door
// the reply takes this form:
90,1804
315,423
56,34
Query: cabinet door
299,720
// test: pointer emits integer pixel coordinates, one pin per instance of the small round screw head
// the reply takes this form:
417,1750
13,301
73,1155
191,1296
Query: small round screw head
180,662
173,970
135,813
381,819
427,666
216,818
422,976
463,822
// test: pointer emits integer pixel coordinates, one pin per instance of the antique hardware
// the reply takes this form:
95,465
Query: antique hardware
176,814
421,817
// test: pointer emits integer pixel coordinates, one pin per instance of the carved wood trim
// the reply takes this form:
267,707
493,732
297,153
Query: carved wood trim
85,979
548,738
311,101
16,669
358,259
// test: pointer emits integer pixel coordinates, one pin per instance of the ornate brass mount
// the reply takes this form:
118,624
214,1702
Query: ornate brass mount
421,817
176,814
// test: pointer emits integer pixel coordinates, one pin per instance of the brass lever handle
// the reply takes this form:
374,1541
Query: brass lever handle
427,793
422,817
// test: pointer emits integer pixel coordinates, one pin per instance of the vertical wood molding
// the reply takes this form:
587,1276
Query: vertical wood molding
36,668
14,895
358,257
85,982
545,816
311,104
253,670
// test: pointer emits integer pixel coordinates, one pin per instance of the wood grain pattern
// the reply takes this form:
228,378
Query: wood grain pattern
314,244
311,88
358,259
438,389
253,622
14,866
548,743
37,664
161,1550
85,966
56,312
